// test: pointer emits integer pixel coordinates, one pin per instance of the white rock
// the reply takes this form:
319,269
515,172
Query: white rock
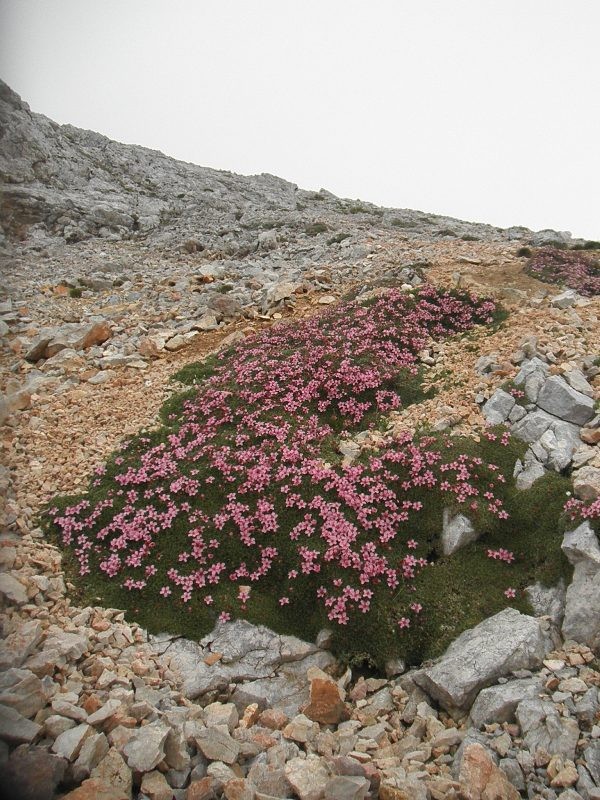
12,589
69,743
145,749
308,777
458,531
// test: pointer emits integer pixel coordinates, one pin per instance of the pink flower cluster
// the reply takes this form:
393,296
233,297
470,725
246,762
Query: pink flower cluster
572,268
501,555
578,510
240,484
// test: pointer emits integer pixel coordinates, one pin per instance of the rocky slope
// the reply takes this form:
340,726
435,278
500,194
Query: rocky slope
63,181
92,328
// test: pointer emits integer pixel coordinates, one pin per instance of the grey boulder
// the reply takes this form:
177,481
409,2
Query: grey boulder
263,666
532,376
499,703
562,401
531,427
498,407
543,728
505,642
146,748
582,611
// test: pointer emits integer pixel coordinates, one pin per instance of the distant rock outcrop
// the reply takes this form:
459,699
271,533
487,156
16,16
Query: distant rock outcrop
62,181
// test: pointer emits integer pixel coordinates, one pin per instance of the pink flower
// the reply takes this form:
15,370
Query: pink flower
284,601
403,622
224,616
510,593
165,591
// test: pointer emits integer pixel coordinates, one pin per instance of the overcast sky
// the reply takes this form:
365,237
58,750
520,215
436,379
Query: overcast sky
487,110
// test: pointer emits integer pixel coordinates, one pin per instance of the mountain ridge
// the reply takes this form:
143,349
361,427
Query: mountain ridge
64,181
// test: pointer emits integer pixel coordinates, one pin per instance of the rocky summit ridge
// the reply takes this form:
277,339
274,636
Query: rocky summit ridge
60,180
121,266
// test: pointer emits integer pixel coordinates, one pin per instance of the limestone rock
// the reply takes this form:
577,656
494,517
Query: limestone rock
548,601
562,401
582,611
565,299
68,645
221,714
78,337
586,483
503,643
207,322
155,787
266,668
591,755
12,589
19,645
532,376
544,729
577,380
533,426
113,771
308,777
22,690
93,789
217,744
93,751
346,787
145,749
498,407
499,703
69,743
15,728
457,532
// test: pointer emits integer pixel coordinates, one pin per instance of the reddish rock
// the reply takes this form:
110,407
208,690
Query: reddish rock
251,715
481,779
93,789
326,703
238,789
359,691
273,718
92,703
155,786
590,435
204,789
148,348
264,741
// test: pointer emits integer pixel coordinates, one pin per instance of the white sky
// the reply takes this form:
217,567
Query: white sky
488,110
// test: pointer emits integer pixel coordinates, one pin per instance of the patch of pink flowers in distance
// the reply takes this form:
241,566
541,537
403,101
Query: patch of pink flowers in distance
239,482
573,268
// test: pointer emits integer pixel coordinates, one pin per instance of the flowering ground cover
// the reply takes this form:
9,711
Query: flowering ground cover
571,268
238,505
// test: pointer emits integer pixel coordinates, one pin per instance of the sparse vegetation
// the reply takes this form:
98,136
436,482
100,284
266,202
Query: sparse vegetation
315,228
339,237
